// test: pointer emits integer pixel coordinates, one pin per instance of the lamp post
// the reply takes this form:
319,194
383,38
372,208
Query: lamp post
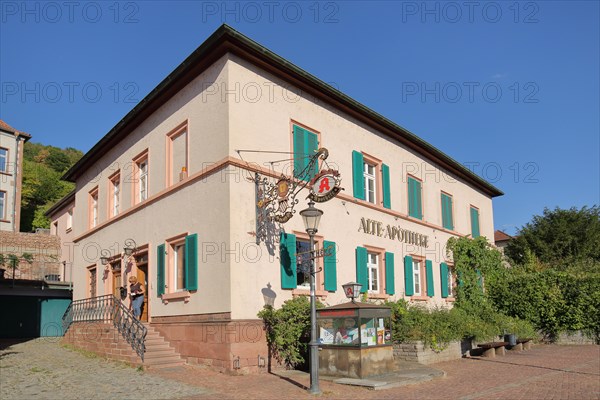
311,217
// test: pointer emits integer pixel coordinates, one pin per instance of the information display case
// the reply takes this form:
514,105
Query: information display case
355,339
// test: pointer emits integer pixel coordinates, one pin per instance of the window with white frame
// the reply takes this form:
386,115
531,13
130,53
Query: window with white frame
3,159
94,208
304,262
179,266
143,183
417,277
2,205
370,182
70,219
373,271
115,195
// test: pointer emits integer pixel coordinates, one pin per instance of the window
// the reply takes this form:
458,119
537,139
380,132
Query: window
447,220
373,270
294,259
416,277
415,205
180,271
303,261
306,144
115,194
3,159
369,180
93,208
179,266
92,279
2,205
450,283
141,177
55,228
70,219
474,222
143,189
177,154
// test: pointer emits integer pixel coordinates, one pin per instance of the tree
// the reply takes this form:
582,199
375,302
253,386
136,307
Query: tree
559,237
43,167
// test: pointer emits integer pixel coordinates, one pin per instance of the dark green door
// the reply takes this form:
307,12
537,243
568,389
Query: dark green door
52,311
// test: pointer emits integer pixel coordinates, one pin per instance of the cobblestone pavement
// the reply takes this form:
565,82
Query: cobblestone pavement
545,372
42,369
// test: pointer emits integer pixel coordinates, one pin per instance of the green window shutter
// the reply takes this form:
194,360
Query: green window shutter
300,151
287,258
389,273
361,268
409,287
429,275
385,177
414,198
330,266
357,175
474,222
160,269
447,212
306,144
191,262
312,146
444,279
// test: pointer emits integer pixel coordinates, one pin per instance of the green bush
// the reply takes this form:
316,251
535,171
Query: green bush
439,326
288,331
554,301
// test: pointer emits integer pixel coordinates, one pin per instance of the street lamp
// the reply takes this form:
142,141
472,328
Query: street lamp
352,290
311,217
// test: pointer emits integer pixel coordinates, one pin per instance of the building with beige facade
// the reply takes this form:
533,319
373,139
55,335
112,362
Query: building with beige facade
177,175
12,142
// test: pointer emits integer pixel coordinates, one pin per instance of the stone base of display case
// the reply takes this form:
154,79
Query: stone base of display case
355,362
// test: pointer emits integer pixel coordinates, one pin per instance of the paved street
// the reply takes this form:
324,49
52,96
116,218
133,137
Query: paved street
42,369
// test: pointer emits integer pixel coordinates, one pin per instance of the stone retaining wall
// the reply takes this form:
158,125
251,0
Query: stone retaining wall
576,337
418,352
102,339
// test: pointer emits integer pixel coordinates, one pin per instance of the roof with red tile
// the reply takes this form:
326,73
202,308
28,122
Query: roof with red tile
500,236
7,128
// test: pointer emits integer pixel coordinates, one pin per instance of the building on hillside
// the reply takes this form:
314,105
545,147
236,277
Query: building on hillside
177,175
501,240
11,176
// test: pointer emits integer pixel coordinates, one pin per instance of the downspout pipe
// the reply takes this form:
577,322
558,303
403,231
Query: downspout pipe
14,205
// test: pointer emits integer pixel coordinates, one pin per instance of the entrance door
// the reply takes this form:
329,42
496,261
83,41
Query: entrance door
142,275
116,283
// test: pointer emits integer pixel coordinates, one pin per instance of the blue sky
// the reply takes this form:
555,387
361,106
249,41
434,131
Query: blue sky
510,89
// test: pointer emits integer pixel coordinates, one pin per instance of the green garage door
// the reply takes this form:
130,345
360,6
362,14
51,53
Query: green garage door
52,311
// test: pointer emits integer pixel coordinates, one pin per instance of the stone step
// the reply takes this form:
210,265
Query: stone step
163,360
166,365
158,347
160,354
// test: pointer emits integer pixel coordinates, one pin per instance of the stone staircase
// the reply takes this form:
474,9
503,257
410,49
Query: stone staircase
159,353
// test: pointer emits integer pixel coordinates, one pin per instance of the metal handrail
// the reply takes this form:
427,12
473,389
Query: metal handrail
108,308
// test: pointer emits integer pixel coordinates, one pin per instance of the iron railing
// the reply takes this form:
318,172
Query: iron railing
108,309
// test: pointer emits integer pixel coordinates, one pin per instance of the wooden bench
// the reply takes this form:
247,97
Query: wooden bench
524,344
492,349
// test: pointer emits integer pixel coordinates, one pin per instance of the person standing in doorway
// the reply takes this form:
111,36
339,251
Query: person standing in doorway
136,296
